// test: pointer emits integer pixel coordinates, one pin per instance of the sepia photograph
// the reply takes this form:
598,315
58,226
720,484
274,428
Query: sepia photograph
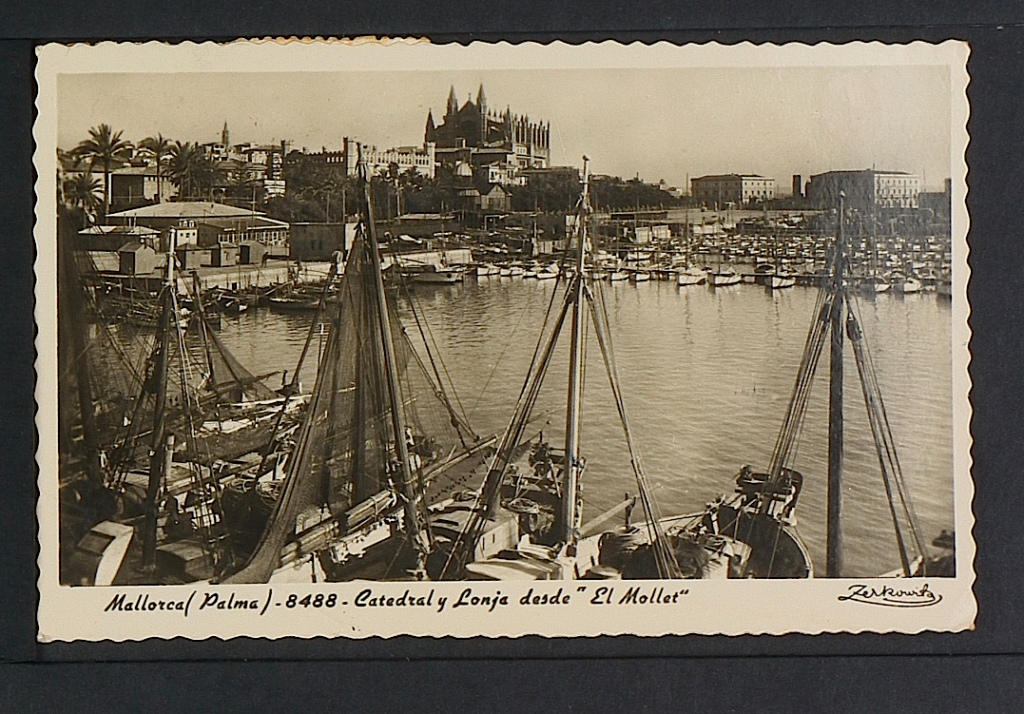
381,338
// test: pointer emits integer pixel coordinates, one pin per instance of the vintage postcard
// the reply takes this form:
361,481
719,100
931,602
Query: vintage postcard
378,338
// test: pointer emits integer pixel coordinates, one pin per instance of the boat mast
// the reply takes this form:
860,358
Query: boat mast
159,448
573,465
834,545
74,325
415,519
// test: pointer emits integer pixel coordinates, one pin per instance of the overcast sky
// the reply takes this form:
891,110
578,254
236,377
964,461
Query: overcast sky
666,124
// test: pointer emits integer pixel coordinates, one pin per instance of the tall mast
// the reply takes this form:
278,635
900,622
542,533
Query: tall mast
415,520
573,464
159,448
834,545
74,326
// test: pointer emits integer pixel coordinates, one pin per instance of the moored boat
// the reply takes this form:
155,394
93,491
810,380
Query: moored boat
379,443
525,522
782,280
433,274
293,303
756,524
724,278
691,276
191,422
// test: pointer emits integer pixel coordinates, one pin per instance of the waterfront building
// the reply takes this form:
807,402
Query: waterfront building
223,255
214,223
866,189
111,238
498,146
136,259
722,189
251,252
320,241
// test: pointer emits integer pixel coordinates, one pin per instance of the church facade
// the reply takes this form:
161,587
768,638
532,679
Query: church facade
496,146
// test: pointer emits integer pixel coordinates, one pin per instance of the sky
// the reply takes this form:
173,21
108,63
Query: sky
671,124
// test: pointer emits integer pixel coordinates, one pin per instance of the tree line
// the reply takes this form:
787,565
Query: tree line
183,164
321,191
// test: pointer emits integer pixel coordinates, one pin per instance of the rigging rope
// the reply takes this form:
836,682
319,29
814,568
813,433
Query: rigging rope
664,556
885,446
459,422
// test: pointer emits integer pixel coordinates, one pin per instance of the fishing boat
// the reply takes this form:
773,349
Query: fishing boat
873,284
687,273
548,272
724,277
434,274
380,441
911,285
756,524
782,279
143,493
293,304
904,283
525,521
691,276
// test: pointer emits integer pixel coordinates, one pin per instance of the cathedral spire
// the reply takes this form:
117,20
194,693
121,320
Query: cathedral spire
225,135
429,135
453,103
481,98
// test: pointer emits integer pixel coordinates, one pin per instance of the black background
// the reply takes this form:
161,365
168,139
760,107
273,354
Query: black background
978,671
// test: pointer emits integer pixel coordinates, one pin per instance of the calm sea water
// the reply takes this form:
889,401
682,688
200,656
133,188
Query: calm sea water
707,375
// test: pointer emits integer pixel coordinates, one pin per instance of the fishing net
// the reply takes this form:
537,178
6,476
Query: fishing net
346,451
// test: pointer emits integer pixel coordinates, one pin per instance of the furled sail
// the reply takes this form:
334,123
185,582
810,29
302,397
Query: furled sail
348,450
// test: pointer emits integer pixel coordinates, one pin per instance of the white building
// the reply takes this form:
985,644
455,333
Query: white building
864,189
721,189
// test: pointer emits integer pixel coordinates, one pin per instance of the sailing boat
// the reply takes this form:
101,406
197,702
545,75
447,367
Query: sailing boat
525,522
874,283
757,522
379,440
135,481
780,277
724,275
688,273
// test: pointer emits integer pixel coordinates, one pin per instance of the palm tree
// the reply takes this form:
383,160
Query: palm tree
191,171
160,147
182,166
104,146
84,192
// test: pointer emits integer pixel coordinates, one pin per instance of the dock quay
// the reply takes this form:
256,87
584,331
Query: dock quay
244,277
234,277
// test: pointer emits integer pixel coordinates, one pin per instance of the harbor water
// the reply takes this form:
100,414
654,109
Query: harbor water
707,376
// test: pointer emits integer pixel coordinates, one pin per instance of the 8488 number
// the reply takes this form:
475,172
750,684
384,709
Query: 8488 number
318,600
